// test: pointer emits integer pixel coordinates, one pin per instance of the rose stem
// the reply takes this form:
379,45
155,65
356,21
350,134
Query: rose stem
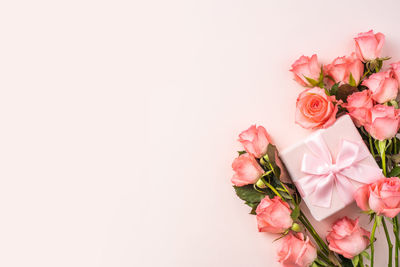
382,150
324,258
390,245
372,239
397,242
371,147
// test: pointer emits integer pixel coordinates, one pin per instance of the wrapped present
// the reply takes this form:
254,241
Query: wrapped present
329,165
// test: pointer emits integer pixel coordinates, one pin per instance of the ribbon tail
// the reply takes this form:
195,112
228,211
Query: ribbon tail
306,185
345,188
322,195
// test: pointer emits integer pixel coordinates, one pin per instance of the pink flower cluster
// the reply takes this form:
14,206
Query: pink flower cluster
370,107
255,141
274,215
353,85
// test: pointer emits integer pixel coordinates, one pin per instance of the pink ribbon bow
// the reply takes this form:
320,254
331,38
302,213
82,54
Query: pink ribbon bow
323,174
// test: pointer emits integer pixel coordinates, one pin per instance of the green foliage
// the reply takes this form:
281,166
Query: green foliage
242,152
365,254
355,260
250,195
334,89
295,213
352,82
345,262
395,172
312,81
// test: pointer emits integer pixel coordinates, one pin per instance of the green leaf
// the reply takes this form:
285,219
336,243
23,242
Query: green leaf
242,152
334,89
345,261
371,217
365,254
253,206
355,260
395,172
314,264
352,82
248,193
312,81
321,74
320,262
379,221
295,213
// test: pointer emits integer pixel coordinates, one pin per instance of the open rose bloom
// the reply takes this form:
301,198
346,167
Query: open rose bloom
383,122
296,251
273,215
314,109
306,67
348,238
359,105
369,45
255,140
342,68
382,197
383,86
247,170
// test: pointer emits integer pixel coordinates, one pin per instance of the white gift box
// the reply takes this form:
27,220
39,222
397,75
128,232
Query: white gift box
296,157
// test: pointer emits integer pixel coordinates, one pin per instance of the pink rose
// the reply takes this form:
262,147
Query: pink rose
341,68
383,122
369,45
314,109
247,170
359,104
396,71
383,86
273,215
296,251
255,140
348,238
306,67
382,196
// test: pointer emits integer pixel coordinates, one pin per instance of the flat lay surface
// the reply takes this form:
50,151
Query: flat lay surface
120,119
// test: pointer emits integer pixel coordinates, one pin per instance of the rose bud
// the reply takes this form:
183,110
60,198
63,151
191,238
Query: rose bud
314,109
383,122
382,197
347,238
306,67
273,215
369,45
247,170
341,68
359,104
396,71
255,140
296,251
383,86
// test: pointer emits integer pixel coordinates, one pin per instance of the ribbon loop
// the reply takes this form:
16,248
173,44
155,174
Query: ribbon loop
323,174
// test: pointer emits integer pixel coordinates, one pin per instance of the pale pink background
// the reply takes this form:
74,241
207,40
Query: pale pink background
119,120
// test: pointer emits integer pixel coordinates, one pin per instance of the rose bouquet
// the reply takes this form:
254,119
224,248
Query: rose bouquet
344,160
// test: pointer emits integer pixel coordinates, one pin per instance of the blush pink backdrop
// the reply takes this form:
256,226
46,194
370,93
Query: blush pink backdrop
119,122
